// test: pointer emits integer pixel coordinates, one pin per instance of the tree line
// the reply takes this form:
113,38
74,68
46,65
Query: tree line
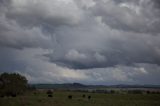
12,84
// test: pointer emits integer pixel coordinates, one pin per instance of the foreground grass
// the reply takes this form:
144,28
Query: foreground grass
61,99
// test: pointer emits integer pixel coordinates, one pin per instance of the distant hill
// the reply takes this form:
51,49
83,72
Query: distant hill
135,86
82,86
59,86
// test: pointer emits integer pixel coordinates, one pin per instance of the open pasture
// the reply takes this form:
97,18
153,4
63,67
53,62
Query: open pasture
61,98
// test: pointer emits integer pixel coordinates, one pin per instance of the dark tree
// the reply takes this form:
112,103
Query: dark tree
12,84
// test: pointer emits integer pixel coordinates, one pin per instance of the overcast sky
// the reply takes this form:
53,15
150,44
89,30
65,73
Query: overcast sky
85,41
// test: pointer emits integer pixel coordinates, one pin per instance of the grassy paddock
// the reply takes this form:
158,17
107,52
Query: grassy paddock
60,98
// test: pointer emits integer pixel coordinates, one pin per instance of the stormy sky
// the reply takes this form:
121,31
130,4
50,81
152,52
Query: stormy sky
86,41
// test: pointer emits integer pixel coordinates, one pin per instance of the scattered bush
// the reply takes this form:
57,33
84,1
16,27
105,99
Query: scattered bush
69,96
13,95
83,95
135,92
112,91
1,96
89,97
35,93
49,92
50,95
148,92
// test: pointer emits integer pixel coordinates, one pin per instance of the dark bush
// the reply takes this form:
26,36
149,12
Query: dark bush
13,94
69,96
135,92
83,95
50,95
112,92
155,92
35,93
148,92
1,96
89,97
49,92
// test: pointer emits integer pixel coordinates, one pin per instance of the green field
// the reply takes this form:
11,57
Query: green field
60,98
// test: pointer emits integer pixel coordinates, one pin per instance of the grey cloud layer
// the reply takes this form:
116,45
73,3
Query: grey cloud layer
90,38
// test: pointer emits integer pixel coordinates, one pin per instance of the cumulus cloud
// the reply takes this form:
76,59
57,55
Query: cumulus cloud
81,40
44,13
13,35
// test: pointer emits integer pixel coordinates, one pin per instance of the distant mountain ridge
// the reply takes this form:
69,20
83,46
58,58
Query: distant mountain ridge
82,86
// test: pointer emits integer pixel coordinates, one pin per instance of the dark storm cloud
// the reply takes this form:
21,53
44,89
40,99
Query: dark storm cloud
124,52
157,3
137,16
72,40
